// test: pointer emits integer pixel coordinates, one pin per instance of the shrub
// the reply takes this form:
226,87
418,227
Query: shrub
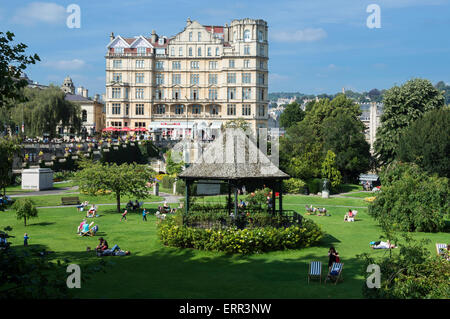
241,241
410,272
294,186
314,185
411,200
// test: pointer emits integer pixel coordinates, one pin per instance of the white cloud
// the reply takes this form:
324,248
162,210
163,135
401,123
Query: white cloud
305,35
40,12
74,64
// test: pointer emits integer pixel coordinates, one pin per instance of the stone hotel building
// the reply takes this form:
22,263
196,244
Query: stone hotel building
197,79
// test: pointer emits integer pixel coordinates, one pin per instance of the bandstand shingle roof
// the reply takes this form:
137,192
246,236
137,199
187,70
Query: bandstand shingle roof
227,160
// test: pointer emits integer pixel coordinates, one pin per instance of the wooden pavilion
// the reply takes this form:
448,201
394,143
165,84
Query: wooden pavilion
233,158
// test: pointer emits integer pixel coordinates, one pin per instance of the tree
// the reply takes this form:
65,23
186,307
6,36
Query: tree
441,86
330,171
173,167
427,142
25,208
411,199
125,179
13,62
45,110
344,135
402,106
291,115
8,148
302,150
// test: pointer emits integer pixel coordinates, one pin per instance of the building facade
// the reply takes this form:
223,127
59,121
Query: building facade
92,110
371,117
199,78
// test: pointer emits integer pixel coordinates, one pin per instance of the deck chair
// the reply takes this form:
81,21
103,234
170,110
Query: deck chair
335,272
441,248
315,270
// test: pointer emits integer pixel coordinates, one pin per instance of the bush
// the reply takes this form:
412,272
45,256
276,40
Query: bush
314,185
409,273
411,200
294,186
241,241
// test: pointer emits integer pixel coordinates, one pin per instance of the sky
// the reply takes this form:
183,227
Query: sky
314,46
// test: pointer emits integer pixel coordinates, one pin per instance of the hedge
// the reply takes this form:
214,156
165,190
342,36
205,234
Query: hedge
239,241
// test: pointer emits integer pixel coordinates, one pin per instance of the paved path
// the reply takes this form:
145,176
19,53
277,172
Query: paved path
55,191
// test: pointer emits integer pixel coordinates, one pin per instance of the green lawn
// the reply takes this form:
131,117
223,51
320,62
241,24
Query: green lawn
360,194
155,271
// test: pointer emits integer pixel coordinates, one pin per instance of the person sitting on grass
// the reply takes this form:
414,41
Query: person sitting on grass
79,228
85,231
93,230
103,245
382,245
115,251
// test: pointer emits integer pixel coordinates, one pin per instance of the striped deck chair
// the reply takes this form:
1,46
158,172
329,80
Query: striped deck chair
335,272
440,248
315,270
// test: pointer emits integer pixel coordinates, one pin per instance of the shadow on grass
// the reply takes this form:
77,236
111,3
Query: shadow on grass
182,273
41,224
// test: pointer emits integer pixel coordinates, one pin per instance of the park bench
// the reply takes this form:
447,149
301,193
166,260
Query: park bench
70,201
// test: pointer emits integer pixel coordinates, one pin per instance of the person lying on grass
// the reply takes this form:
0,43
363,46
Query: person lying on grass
382,245
115,251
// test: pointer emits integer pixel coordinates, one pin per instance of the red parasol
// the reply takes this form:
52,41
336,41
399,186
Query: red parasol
140,129
110,129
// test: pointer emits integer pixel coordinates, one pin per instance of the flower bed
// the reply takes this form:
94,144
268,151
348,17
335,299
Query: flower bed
240,241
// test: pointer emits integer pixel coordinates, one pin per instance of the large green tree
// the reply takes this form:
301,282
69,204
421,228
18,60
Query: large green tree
344,135
13,62
45,110
303,149
291,115
402,106
125,179
427,142
411,199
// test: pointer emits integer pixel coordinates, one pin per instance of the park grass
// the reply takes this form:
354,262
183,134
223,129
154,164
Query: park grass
155,271
360,194
55,200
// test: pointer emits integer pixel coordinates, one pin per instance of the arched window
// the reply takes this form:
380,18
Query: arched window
247,35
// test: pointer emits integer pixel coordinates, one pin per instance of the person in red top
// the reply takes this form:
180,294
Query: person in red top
124,215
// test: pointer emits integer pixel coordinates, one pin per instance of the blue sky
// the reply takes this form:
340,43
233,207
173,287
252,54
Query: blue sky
314,46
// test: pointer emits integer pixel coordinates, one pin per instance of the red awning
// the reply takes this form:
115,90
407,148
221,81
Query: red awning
140,129
110,129
125,129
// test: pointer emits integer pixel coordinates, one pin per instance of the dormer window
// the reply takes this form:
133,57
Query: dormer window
118,50
161,41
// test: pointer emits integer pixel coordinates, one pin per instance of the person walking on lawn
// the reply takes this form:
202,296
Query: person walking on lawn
124,215
144,215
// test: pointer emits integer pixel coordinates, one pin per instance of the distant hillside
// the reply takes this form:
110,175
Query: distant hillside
373,95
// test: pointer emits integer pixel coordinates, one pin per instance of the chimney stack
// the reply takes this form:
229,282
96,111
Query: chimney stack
111,37
154,36
85,93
